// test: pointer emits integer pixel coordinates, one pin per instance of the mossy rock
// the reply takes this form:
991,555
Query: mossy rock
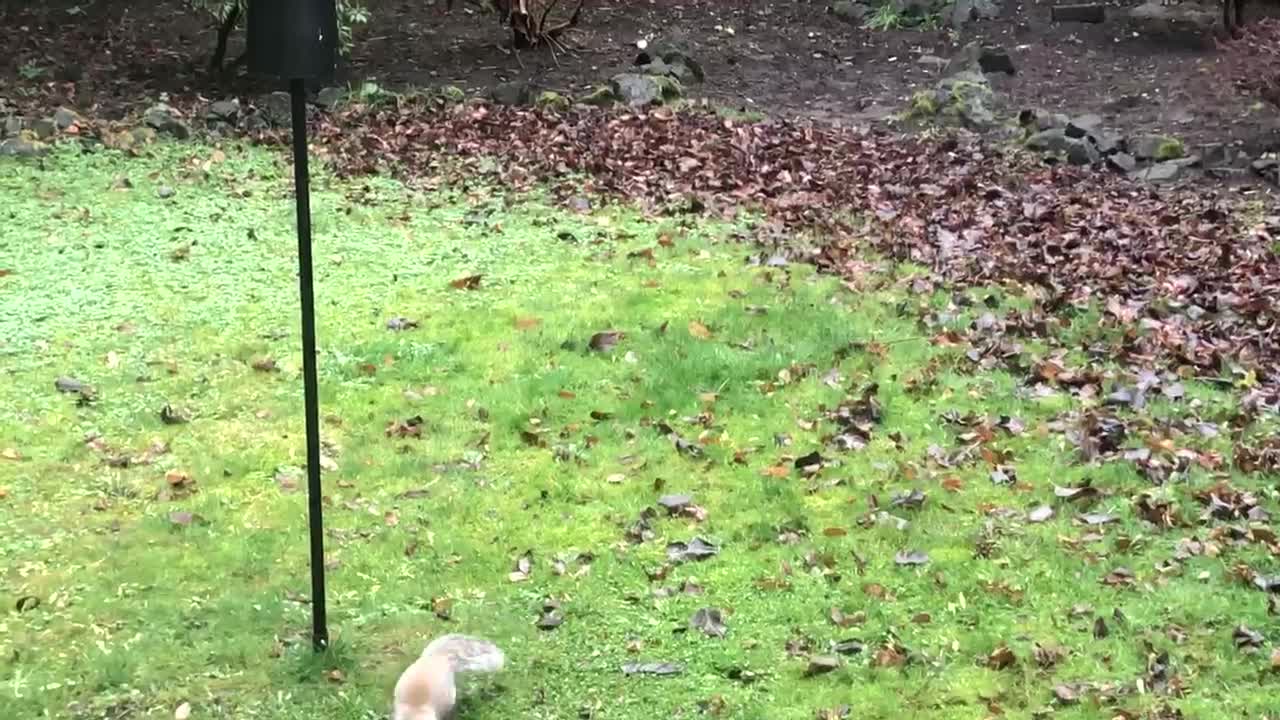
23,147
453,94
662,59
512,93
966,84
638,90
924,103
550,100
1170,149
1156,147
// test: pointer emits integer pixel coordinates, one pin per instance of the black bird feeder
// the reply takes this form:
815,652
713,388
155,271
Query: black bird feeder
297,40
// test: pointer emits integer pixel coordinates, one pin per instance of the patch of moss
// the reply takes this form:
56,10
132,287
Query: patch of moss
452,94
924,103
550,100
1170,149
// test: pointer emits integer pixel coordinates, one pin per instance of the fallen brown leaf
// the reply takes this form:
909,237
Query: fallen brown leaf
698,330
470,282
1001,658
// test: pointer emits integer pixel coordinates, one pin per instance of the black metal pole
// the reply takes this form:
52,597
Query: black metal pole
311,394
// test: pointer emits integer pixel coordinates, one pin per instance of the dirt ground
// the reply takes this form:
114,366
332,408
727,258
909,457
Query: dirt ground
782,58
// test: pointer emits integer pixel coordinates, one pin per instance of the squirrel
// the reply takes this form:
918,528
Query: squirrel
426,689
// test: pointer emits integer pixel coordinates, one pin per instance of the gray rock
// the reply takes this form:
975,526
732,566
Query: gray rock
1053,140
253,121
1084,126
164,119
663,59
680,71
637,90
1122,162
1233,174
1082,152
851,12
1036,120
12,126
932,61
20,147
227,111
43,128
277,109
164,192
964,99
512,93
1105,142
978,115
1216,154
1155,147
1165,172
967,97
330,98
64,118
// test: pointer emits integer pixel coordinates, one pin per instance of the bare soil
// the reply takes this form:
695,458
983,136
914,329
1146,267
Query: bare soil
780,58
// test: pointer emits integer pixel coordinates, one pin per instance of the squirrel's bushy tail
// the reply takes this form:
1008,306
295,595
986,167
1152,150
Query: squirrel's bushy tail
466,653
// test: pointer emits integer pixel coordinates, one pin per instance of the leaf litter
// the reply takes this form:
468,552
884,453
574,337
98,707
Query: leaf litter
974,213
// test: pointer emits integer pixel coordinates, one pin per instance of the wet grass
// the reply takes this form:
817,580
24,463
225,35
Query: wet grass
182,577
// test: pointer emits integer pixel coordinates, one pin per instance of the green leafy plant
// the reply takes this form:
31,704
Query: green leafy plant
886,17
31,71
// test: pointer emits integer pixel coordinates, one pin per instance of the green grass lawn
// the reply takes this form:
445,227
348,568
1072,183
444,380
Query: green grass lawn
169,558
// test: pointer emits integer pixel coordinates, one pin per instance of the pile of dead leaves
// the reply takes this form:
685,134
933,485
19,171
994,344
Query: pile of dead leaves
1187,286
